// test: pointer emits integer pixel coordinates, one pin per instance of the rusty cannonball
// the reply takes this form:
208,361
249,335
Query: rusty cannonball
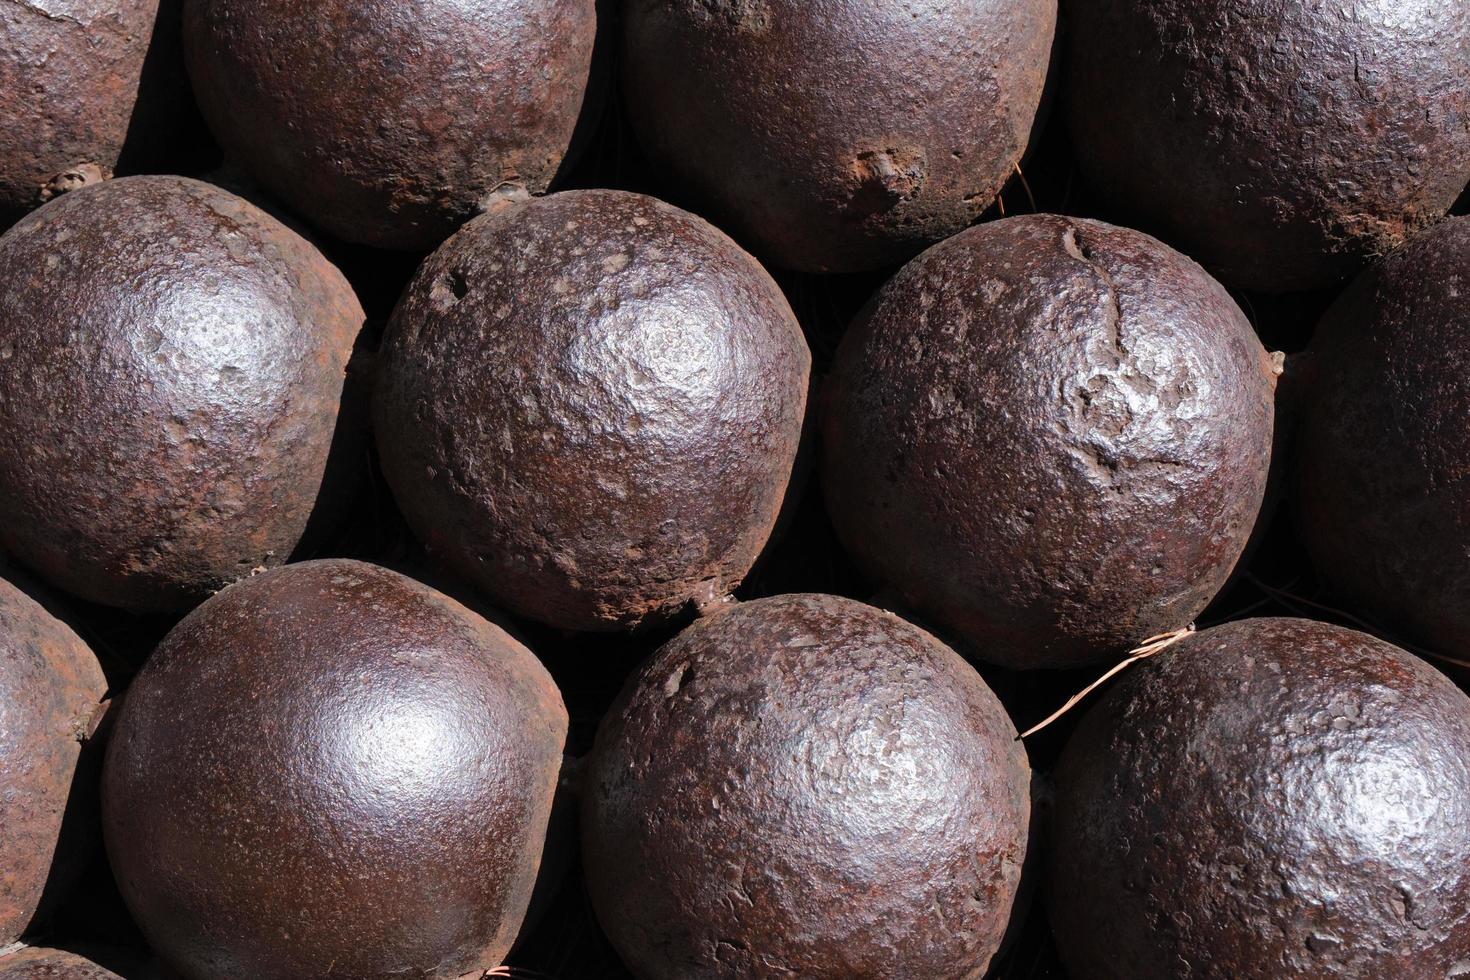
41,963
83,85
805,786
172,361
332,770
837,137
386,123
1050,436
590,405
1281,144
1381,497
51,689
1273,799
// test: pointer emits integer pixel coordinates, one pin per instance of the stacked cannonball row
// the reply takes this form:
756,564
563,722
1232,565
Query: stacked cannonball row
428,428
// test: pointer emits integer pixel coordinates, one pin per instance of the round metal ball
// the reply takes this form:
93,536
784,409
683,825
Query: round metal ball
1382,503
805,786
172,363
1272,799
41,963
1281,144
590,405
1051,437
391,124
51,687
838,137
85,86
332,770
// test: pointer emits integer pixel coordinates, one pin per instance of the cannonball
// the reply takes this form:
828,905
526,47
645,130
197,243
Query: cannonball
837,137
1050,436
805,786
42,963
84,86
172,360
590,406
1381,500
332,770
391,124
51,689
1281,144
1273,799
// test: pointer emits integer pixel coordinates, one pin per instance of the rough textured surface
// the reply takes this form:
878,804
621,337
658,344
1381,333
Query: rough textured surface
1270,799
39,963
391,123
894,124
591,404
1051,436
50,690
1279,142
171,365
1383,458
80,80
331,770
806,787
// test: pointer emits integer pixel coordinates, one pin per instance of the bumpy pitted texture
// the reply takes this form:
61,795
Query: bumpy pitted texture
332,770
39,963
1280,143
1052,437
807,787
391,123
50,689
1383,452
1268,800
840,136
172,360
591,405
69,90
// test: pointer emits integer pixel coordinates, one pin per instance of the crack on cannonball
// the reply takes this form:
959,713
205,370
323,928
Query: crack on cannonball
1076,247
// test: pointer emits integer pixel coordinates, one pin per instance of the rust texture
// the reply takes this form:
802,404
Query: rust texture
51,687
805,786
81,81
1052,437
387,123
40,963
1382,500
591,405
172,361
837,137
1273,799
332,771
1280,143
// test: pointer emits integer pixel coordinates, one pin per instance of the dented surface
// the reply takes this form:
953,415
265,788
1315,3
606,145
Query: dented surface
590,404
1280,143
1052,437
171,365
388,123
51,687
1268,800
332,770
893,125
1382,500
805,786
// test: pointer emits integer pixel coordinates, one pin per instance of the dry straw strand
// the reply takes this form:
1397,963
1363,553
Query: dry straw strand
1151,647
